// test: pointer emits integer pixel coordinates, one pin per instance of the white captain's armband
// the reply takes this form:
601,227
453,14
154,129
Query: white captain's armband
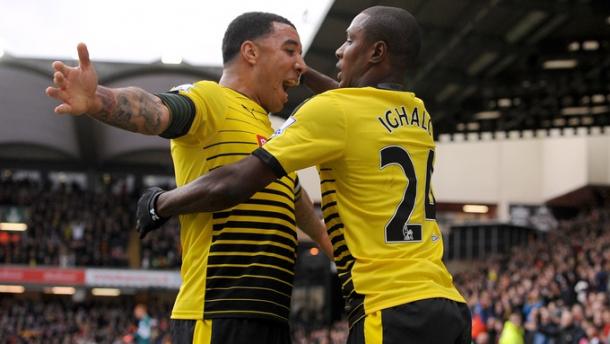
290,121
184,87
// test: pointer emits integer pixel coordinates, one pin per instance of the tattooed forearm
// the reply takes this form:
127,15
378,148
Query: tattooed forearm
123,114
132,109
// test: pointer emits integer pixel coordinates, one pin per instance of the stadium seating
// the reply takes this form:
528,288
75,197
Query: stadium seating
556,291
547,291
81,228
53,319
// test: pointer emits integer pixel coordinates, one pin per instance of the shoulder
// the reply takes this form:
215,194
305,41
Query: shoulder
332,98
199,87
207,86
348,94
418,101
204,92
339,93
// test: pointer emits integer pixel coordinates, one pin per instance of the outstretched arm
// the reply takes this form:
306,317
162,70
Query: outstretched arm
129,108
308,222
318,82
222,188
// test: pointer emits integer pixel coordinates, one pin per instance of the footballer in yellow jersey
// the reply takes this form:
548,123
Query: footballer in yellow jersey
241,260
374,147
238,262
375,152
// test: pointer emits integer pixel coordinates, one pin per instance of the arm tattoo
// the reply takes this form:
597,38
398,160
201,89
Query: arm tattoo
131,109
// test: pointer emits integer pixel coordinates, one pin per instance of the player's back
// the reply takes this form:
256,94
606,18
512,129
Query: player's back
378,204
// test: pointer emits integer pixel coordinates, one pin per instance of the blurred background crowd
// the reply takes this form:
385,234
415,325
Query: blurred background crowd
551,290
82,228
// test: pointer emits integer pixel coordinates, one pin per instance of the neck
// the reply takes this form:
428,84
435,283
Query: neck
381,74
236,79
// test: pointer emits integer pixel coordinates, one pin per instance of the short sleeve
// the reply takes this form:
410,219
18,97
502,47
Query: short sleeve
314,134
210,108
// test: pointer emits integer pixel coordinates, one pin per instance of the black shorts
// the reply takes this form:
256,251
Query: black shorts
229,330
429,321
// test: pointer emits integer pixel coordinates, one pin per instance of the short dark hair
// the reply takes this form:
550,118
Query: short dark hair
398,28
248,26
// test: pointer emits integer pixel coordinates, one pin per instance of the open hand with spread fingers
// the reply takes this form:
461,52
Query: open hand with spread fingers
75,87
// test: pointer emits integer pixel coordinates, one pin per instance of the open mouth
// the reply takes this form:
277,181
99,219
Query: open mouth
290,83
338,73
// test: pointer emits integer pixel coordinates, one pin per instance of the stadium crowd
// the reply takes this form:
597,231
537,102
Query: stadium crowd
80,228
552,291
60,320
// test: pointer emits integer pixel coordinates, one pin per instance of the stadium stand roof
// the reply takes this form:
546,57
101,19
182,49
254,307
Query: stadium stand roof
485,65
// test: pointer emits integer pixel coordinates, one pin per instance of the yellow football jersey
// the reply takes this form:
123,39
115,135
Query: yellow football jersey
236,262
375,152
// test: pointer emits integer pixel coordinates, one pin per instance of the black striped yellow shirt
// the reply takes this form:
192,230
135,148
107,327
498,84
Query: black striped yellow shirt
238,262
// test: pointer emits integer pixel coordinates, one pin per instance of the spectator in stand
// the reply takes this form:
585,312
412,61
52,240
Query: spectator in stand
483,307
512,332
546,329
145,324
482,338
570,332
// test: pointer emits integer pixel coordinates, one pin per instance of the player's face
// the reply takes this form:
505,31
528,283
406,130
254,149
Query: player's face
280,66
352,55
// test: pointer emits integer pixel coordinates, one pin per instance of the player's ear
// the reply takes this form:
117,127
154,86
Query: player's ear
379,51
249,52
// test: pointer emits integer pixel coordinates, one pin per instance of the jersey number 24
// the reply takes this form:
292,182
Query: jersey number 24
399,228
